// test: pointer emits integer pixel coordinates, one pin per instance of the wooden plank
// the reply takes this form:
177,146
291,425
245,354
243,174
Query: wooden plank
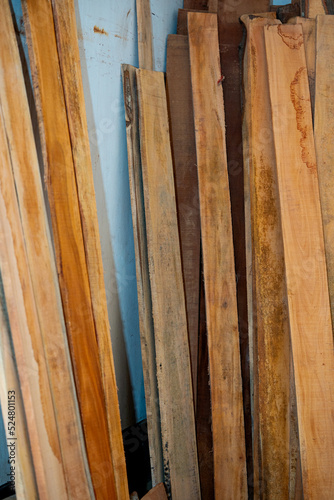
41,259
304,254
268,307
142,271
27,339
145,38
157,493
230,40
66,33
218,259
169,310
68,239
309,42
181,121
25,480
323,128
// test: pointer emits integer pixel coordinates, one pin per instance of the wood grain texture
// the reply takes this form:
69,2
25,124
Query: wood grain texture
145,36
203,408
156,493
182,130
218,260
66,34
25,480
68,239
142,271
309,42
168,301
304,254
268,307
323,130
41,259
27,338
230,43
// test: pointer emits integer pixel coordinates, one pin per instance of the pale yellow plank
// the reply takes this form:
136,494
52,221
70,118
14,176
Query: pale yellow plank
168,301
304,254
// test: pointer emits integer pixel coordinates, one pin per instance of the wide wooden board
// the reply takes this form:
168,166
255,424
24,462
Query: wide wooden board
218,260
323,130
66,34
268,308
181,120
304,255
142,271
168,301
68,239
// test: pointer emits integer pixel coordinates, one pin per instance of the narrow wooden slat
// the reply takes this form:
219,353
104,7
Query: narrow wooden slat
145,40
181,120
218,259
27,339
66,33
68,238
323,130
268,307
142,270
230,40
309,42
157,493
304,254
169,311
25,480
203,408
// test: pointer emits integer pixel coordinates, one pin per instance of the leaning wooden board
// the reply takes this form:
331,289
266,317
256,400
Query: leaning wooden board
40,256
27,338
304,254
268,308
142,272
66,33
181,119
68,239
168,301
218,260
323,135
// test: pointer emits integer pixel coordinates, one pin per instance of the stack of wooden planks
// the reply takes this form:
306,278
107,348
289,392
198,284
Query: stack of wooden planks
234,249
58,379
231,178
